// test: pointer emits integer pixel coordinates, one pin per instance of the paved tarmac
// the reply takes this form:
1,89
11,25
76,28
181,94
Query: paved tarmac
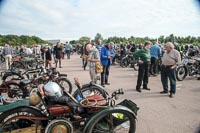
158,113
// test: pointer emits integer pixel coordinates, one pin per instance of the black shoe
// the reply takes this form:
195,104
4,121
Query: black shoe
154,75
146,88
60,67
171,95
103,85
163,92
138,90
107,83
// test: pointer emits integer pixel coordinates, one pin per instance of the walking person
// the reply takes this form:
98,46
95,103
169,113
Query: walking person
93,57
170,60
155,52
7,53
144,60
106,60
68,48
58,54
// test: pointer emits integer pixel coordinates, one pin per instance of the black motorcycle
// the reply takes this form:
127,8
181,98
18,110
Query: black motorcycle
129,60
189,67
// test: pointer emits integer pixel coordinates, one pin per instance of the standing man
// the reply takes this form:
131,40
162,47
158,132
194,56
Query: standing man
58,54
99,45
122,52
68,49
7,52
155,52
170,60
106,60
93,57
144,60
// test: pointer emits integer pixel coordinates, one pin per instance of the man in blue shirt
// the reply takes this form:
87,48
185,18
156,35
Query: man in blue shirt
155,52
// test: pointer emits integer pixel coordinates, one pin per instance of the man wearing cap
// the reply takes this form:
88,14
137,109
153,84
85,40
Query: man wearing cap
143,56
106,56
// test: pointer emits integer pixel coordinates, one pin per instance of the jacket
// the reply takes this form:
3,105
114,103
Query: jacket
105,53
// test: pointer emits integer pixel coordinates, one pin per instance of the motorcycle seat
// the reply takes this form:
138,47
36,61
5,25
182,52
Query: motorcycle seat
25,81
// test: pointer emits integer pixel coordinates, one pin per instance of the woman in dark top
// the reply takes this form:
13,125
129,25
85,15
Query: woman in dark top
47,57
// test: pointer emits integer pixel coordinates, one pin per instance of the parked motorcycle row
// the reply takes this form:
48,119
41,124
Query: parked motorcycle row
25,103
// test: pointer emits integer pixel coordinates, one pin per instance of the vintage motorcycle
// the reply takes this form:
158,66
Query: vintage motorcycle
189,67
96,114
20,87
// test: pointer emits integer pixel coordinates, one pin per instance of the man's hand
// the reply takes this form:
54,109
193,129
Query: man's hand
140,61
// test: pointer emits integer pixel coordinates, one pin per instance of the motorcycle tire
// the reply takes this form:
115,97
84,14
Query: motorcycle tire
181,73
116,120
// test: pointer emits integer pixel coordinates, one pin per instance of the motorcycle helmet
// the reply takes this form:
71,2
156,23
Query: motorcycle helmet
52,89
34,99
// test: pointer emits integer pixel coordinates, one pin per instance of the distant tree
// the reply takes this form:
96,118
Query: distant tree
97,37
83,39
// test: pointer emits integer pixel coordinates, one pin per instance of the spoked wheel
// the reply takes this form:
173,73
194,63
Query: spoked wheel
113,121
124,63
181,73
16,65
88,91
13,90
12,76
135,67
65,84
59,126
17,120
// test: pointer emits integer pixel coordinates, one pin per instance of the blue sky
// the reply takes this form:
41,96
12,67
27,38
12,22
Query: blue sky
72,19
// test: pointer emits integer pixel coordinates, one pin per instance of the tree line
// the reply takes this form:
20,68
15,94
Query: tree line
16,40
138,40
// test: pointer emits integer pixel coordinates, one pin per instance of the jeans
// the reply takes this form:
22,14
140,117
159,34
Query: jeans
154,66
168,73
105,74
68,54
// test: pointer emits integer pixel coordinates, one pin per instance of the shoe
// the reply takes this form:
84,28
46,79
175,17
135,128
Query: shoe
171,95
146,88
60,67
163,92
107,83
154,75
103,85
138,90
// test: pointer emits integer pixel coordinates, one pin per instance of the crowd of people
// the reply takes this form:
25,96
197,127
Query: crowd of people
147,56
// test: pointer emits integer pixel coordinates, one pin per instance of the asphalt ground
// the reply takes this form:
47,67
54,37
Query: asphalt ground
158,113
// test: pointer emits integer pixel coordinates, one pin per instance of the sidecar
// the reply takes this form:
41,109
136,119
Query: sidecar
97,115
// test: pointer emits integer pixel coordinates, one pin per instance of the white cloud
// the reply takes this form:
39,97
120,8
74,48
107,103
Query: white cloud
76,18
